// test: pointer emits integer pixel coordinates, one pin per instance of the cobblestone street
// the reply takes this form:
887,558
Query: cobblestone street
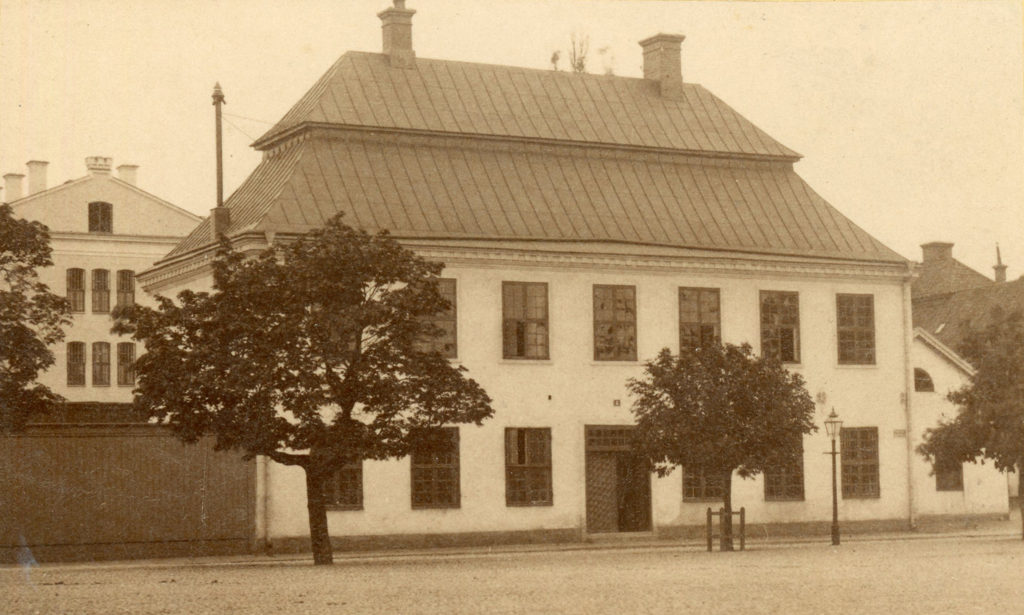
977,575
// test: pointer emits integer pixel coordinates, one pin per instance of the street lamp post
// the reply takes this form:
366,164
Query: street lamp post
832,427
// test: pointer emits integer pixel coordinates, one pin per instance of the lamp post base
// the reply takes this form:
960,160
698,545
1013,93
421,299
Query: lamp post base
835,533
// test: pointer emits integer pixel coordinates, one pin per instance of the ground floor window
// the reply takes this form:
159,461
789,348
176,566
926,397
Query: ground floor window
435,472
344,490
949,475
528,466
859,454
701,486
786,482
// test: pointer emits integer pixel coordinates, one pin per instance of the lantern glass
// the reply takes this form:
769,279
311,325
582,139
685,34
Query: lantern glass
833,424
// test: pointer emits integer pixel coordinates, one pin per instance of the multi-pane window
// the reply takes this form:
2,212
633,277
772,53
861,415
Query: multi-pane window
780,325
528,467
101,217
126,363
855,319
444,320
949,475
76,363
614,323
699,317
524,320
435,472
701,486
76,289
859,452
785,482
100,364
344,490
100,290
125,288
923,381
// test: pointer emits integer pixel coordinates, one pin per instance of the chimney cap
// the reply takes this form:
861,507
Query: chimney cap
98,164
663,37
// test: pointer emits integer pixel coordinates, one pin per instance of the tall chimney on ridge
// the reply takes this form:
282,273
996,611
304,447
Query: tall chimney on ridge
936,251
397,30
999,266
663,63
36,175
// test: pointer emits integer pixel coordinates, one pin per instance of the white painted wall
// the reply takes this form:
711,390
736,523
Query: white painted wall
571,390
984,487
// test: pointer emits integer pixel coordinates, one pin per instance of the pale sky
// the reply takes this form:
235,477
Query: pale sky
910,115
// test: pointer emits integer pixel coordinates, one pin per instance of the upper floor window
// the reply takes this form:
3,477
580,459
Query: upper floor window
100,290
614,323
435,473
699,317
76,289
859,452
101,217
125,288
855,321
780,325
528,467
76,363
446,320
100,364
923,381
125,363
344,490
524,308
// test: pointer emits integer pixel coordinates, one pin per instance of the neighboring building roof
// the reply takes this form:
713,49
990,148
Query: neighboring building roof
429,187
946,275
363,89
948,317
943,350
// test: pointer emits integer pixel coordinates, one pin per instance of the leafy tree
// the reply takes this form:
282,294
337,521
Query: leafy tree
990,421
720,408
31,319
311,354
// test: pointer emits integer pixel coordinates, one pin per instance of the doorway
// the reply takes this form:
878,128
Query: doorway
618,483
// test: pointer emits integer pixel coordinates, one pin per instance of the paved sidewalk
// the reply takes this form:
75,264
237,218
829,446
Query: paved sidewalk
989,528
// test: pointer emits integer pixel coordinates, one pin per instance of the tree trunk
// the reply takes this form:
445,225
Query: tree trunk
726,521
319,537
1020,495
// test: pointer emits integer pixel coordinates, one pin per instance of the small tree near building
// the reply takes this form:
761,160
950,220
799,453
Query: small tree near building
720,408
31,320
312,354
990,421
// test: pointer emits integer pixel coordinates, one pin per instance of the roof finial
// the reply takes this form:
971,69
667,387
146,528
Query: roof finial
999,267
399,4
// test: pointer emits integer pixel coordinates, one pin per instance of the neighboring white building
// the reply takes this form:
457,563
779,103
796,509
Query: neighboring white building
103,230
585,222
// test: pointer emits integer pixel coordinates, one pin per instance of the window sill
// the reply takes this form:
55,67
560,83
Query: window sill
530,505
101,386
436,507
856,365
618,362
703,501
862,497
526,362
773,499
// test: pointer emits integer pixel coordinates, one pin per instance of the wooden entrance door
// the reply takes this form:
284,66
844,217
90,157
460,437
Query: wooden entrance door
618,486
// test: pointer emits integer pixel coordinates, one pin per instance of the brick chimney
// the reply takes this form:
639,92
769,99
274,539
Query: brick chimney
999,267
12,186
36,175
936,251
128,173
98,165
397,29
663,63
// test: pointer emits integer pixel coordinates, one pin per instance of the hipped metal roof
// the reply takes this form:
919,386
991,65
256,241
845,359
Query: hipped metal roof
452,150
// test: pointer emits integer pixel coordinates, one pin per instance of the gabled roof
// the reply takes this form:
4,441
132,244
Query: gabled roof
363,89
949,316
426,187
946,275
943,351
